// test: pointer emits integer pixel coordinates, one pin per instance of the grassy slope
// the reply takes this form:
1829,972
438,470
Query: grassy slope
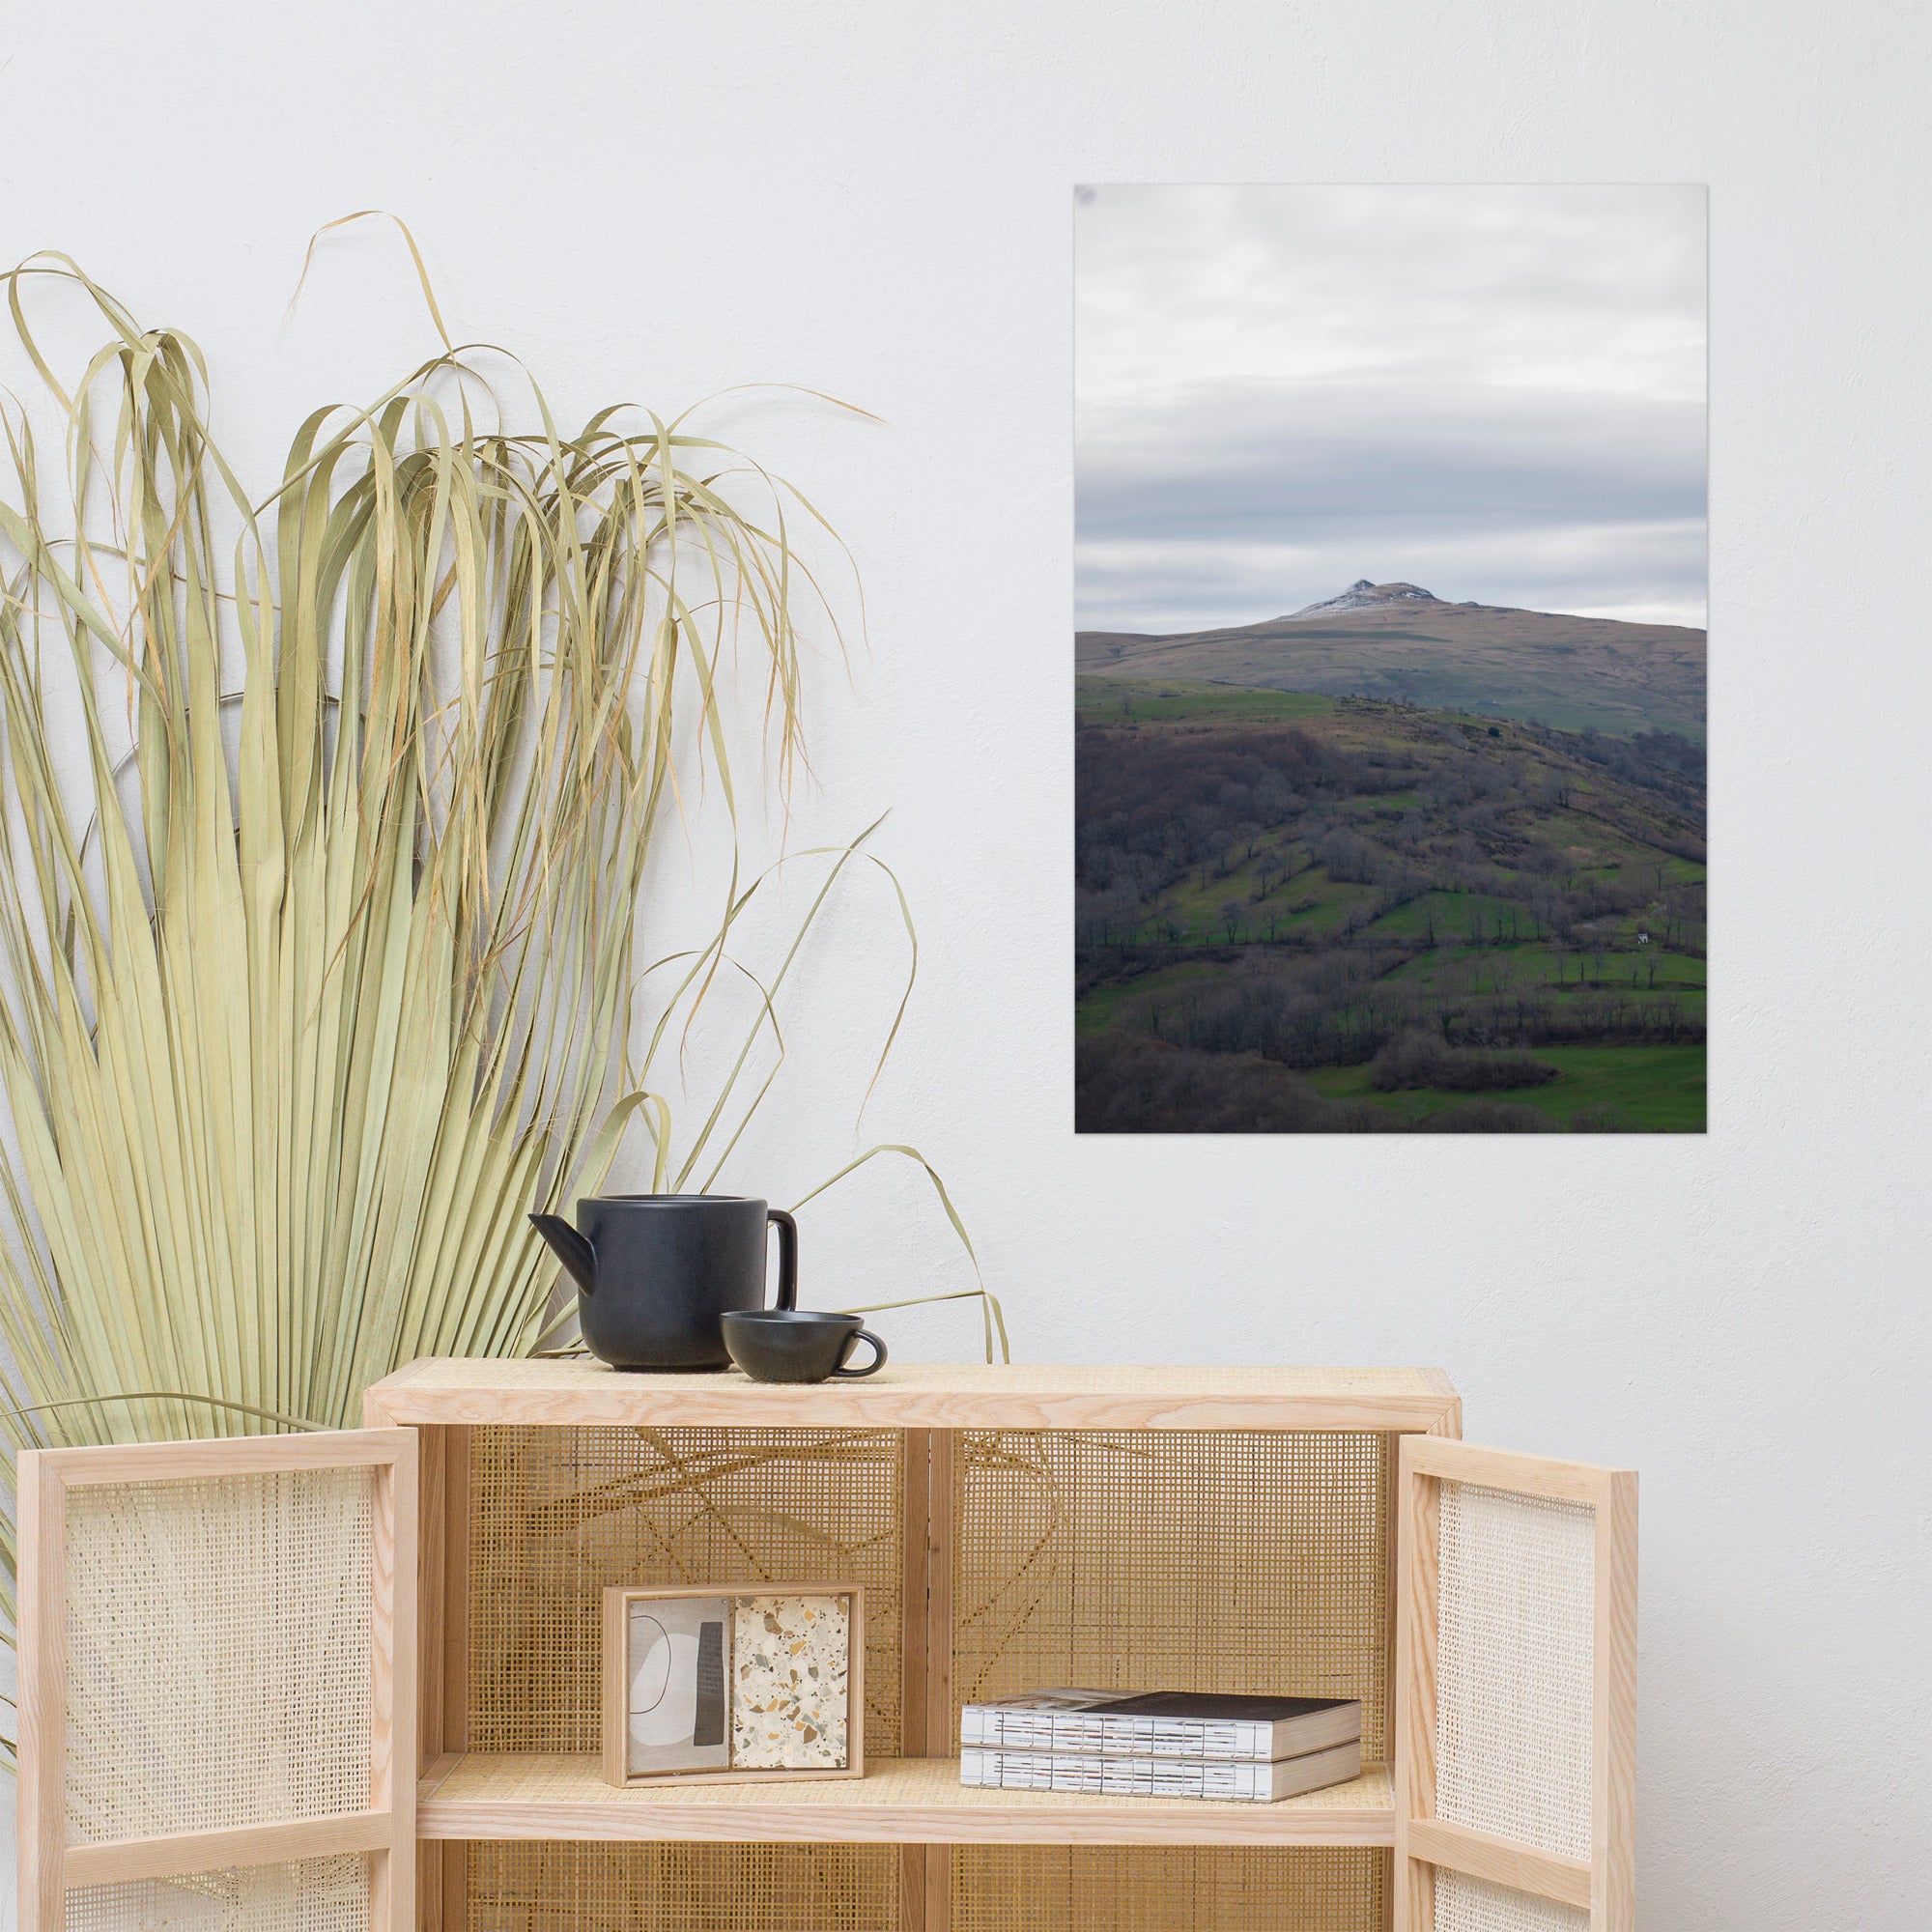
1604,827
1152,700
1659,1089
1571,672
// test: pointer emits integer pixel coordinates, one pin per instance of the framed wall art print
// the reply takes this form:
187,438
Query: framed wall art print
1389,734
751,1684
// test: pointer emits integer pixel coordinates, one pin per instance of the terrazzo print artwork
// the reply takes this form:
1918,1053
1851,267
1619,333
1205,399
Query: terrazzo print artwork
790,1659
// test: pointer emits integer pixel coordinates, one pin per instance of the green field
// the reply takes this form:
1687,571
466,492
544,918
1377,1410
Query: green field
1659,1089
1095,1012
1100,700
1311,895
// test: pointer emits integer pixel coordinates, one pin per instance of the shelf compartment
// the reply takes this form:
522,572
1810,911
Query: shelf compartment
898,1801
1204,1560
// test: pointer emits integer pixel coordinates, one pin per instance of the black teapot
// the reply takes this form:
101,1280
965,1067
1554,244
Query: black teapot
655,1273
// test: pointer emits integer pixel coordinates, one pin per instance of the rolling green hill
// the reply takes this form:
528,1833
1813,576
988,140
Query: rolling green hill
1396,641
1303,912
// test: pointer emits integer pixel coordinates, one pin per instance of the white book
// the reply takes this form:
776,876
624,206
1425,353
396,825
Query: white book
1230,1782
1161,1723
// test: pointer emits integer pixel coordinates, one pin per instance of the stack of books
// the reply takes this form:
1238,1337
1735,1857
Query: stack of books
1163,1744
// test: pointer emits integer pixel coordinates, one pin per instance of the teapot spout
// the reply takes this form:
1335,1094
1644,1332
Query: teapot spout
570,1248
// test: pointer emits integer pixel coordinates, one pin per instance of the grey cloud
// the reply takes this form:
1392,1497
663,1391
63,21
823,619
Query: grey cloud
1653,572
1232,466
1495,392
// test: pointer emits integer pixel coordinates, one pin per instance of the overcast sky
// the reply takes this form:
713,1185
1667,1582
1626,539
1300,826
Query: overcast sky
1494,393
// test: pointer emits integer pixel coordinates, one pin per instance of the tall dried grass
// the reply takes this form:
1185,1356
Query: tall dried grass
319,968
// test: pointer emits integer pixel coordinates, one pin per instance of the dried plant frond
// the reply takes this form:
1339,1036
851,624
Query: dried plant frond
319,971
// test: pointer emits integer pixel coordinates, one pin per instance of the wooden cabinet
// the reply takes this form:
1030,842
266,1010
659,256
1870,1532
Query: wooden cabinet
1320,1530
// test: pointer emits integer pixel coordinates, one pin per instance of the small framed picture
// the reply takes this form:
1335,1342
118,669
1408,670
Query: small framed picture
751,1684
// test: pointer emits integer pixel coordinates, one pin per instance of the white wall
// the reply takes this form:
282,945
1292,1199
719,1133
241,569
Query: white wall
873,199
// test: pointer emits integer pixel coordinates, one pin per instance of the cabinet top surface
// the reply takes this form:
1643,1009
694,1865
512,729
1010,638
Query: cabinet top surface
921,1395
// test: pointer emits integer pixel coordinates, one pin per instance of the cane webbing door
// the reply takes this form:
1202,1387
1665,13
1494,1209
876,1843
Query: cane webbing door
1516,1692
217,1688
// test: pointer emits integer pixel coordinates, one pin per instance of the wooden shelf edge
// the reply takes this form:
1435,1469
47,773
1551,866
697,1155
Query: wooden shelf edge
537,1395
901,1801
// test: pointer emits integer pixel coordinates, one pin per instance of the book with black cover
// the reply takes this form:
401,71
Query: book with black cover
1162,1723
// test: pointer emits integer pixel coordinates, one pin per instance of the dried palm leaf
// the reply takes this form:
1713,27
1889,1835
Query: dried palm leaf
320,972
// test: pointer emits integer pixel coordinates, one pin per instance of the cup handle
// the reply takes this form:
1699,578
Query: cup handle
872,1367
788,1257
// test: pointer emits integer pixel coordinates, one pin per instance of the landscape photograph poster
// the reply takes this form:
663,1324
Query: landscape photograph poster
1389,733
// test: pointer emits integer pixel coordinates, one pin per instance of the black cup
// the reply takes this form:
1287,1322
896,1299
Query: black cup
789,1344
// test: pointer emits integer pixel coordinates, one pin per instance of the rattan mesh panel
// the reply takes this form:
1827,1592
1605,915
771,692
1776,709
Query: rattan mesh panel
538,1886
556,1515
1174,1560
1140,1888
1515,1650
1466,1904
217,1652
313,1895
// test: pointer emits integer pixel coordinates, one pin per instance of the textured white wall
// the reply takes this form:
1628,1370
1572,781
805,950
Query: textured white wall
873,200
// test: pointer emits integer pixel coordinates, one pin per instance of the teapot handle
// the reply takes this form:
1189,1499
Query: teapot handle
787,1258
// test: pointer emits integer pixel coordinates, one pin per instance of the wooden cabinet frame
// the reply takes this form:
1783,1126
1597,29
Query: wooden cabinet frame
913,1802
1603,1886
49,1865
418,1442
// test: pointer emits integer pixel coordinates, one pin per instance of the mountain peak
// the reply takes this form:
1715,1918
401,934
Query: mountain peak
1362,595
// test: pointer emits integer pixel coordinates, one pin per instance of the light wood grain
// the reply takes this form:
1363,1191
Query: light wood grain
40,1640
432,1581
1413,1906
456,1515
934,1396
1417,1514
442,1874
915,1522
179,1851
1500,1860
942,1503
855,1680
941,1499
613,1704
926,1721
440,1652
898,1801
395,1712
443,1584
912,1888
1392,1580
230,1455
938,1888
1505,1469
1613,1761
